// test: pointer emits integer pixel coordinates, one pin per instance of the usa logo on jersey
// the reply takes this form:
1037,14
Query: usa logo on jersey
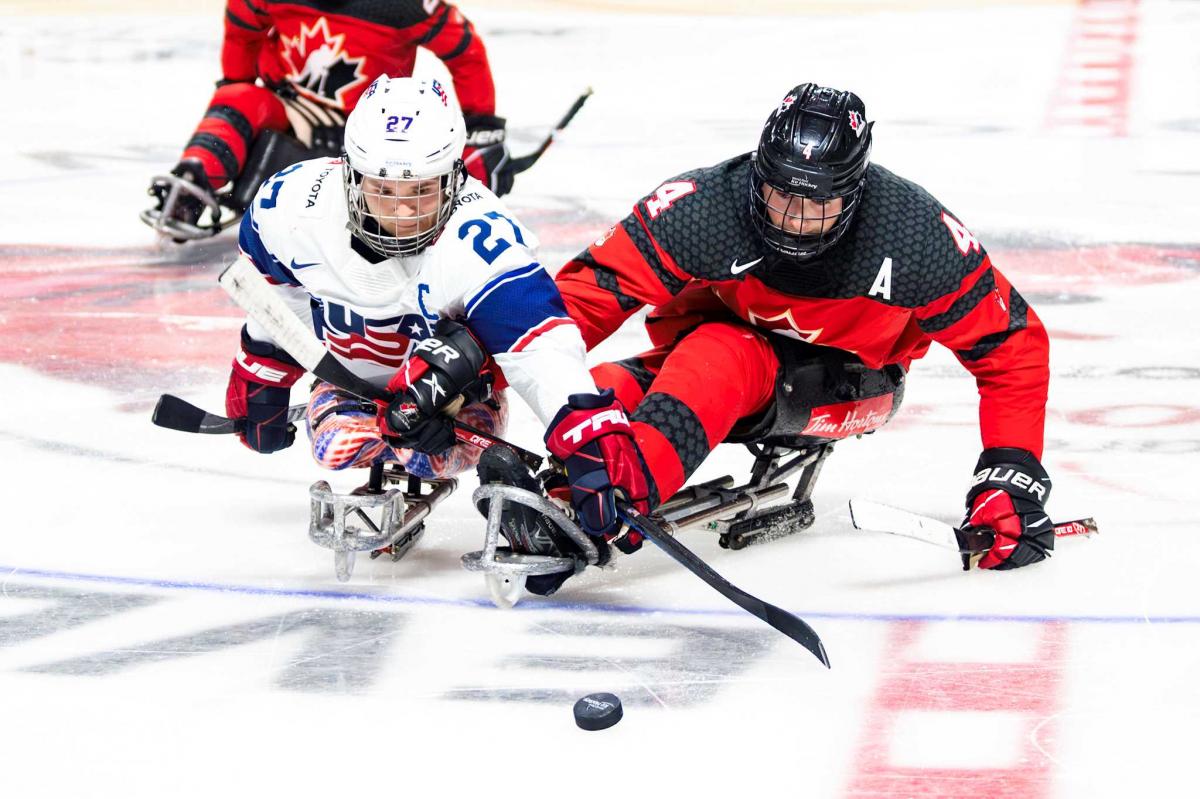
382,341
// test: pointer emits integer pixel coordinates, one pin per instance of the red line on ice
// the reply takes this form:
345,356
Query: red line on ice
1031,689
1096,75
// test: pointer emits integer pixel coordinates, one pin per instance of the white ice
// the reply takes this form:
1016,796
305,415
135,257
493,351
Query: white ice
167,629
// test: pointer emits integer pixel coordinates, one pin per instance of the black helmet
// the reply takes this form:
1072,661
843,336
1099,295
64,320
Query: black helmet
816,145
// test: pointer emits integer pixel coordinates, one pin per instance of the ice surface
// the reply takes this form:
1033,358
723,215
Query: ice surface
166,628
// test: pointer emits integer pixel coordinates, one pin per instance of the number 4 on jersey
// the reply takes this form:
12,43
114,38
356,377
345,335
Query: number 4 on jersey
965,240
667,194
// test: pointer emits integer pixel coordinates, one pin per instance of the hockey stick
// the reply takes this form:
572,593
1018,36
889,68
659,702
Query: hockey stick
967,541
174,413
522,163
254,295
252,292
788,624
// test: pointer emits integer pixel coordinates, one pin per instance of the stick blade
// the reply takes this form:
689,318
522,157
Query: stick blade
798,630
878,518
175,414
790,625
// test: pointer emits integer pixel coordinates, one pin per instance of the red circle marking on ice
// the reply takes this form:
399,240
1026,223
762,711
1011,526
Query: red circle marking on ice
1112,416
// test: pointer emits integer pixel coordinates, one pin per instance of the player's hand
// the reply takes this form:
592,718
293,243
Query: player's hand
486,155
593,439
443,373
1008,496
260,386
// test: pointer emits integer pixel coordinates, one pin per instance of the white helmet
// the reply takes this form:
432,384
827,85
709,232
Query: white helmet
403,163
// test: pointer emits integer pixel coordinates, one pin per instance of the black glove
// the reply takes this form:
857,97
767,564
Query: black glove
1008,497
486,155
443,374
328,140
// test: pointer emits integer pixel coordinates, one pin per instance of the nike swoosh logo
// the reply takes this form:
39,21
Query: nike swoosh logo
737,268
296,266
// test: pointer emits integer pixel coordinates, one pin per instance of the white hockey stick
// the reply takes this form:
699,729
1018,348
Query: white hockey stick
867,515
250,290
254,294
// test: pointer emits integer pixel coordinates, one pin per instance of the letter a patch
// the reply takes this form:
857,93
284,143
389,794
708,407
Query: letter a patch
883,281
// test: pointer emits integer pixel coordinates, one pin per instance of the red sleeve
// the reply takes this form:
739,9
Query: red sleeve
614,277
451,37
998,337
247,23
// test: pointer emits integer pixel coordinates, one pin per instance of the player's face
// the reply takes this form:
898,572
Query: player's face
798,215
403,208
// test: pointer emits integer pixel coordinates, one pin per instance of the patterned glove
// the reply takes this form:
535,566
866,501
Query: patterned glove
260,386
594,441
443,373
1008,496
486,155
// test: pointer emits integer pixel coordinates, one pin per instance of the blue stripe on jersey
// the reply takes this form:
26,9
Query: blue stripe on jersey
510,306
251,243
498,280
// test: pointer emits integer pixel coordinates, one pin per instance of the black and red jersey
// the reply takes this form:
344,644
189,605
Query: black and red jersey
331,50
907,273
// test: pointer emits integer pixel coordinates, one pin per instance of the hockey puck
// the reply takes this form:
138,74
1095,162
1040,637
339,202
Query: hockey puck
598,711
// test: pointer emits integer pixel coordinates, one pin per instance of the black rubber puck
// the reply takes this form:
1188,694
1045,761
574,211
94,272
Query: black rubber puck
598,711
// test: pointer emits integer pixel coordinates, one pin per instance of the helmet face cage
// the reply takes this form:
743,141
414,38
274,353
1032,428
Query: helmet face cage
795,229
809,171
397,216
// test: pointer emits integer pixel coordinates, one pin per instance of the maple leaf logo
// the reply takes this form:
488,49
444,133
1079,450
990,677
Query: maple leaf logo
790,328
319,67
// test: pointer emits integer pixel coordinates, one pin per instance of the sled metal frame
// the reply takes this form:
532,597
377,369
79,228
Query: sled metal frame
400,515
742,515
161,220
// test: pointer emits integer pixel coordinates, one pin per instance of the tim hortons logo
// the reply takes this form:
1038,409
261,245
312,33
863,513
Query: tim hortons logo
848,418
1017,479
610,417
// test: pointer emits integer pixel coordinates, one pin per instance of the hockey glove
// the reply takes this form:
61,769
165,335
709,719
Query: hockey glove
443,373
260,386
593,439
486,155
1008,496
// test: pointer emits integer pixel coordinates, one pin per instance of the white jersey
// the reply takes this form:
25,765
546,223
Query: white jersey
369,309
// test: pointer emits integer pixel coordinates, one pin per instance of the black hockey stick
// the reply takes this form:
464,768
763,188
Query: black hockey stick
791,626
525,161
174,413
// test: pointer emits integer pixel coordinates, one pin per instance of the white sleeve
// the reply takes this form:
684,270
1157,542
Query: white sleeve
550,369
514,308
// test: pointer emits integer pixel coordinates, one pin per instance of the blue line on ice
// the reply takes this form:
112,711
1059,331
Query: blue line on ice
543,605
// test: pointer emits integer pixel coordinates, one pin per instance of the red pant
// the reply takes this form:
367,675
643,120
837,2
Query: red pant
236,115
686,397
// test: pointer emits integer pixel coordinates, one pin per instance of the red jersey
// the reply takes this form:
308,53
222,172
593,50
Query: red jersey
331,50
907,273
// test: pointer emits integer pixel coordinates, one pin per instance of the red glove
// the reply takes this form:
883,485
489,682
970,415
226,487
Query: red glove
259,390
594,441
1008,497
